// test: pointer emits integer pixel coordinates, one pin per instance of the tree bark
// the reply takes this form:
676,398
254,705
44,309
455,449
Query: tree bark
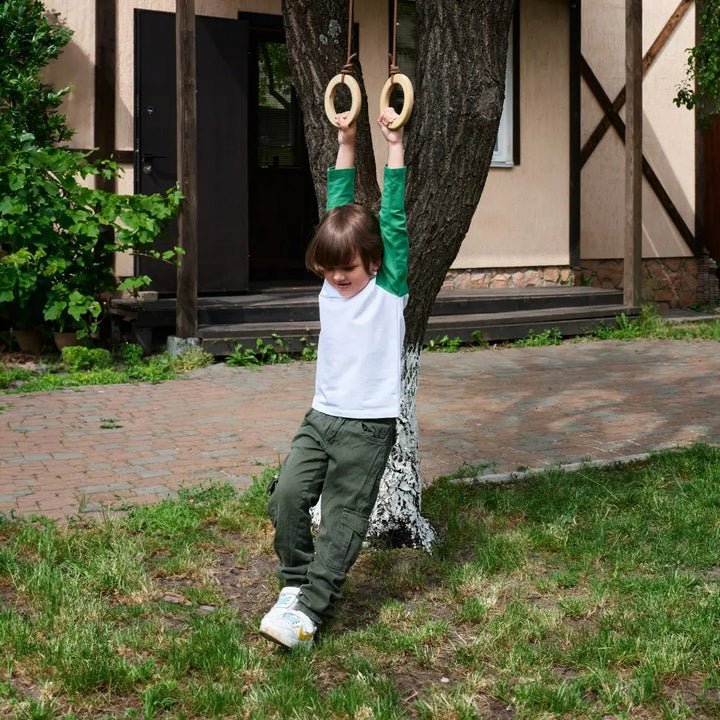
316,33
459,95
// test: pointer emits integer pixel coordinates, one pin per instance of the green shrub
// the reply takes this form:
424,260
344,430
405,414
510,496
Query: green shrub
191,359
58,236
78,357
131,354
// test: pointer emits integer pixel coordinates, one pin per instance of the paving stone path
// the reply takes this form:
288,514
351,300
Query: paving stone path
76,451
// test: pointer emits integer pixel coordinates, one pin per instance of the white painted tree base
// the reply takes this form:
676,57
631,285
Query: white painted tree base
397,510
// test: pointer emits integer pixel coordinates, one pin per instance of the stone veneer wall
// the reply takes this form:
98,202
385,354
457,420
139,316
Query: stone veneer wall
667,282
508,278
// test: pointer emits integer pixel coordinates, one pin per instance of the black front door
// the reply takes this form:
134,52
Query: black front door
222,71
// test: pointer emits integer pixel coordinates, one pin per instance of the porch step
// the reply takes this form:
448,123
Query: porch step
497,313
301,305
221,340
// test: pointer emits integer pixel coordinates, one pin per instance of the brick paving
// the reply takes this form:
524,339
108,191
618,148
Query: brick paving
74,451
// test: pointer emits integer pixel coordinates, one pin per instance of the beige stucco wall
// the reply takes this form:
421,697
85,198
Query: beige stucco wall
669,135
523,214
76,67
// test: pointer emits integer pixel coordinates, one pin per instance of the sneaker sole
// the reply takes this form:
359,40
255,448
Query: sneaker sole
287,644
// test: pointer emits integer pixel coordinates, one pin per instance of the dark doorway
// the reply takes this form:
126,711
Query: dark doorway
255,195
283,208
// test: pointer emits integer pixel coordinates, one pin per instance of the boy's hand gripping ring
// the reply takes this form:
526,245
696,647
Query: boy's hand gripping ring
409,98
356,100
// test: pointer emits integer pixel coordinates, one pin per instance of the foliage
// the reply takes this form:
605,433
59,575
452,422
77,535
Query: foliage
444,344
263,353
95,366
131,353
79,357
579,595
701,87
309,348
58,234
549,336
29,42
192,359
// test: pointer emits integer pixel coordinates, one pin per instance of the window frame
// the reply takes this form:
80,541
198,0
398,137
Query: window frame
507,143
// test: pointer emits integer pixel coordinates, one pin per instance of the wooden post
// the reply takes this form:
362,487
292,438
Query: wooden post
187,284
105,56
575,131
633,153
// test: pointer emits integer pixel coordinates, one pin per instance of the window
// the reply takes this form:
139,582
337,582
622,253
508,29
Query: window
277,123
504,145
505,154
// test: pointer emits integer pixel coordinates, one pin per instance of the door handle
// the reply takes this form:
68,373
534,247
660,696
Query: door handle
147,162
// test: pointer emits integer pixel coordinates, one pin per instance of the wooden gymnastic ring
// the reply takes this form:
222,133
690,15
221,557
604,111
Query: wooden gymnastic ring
356,99
409,98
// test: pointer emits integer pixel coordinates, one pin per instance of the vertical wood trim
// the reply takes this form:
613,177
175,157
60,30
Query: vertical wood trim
633,153
187,275
575,131
105,83
701,169
516,84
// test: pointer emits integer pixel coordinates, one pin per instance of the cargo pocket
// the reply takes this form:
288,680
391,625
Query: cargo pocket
347,540
380,432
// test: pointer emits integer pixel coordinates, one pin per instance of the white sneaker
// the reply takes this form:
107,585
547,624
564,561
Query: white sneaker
292,628
286,601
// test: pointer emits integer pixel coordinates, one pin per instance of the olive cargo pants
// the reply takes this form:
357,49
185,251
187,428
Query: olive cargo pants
344,460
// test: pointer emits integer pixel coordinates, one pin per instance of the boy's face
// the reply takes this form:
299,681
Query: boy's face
350,279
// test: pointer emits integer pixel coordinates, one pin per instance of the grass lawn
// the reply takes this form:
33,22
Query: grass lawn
594,594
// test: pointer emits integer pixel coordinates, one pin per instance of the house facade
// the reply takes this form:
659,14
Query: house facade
553,207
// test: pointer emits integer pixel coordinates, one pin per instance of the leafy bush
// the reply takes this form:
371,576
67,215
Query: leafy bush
701,88
78,357
132,354
264,353
551,336
58,237
444,344
192,359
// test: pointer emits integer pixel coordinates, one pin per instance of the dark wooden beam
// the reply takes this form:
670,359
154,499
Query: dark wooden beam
124,157
575,131
105,83
187,275
702,146
633,153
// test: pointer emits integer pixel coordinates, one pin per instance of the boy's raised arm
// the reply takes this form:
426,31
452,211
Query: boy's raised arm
396,153
346,143
341,178
393,222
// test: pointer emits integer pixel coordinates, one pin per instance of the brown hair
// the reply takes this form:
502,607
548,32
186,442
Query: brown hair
343,230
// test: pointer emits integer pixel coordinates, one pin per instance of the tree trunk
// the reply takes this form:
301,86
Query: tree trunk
316,36
459,94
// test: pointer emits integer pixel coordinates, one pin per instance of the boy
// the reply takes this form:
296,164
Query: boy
344,441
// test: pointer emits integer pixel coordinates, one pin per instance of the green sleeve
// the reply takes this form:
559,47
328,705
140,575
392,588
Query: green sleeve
392,275
341,187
